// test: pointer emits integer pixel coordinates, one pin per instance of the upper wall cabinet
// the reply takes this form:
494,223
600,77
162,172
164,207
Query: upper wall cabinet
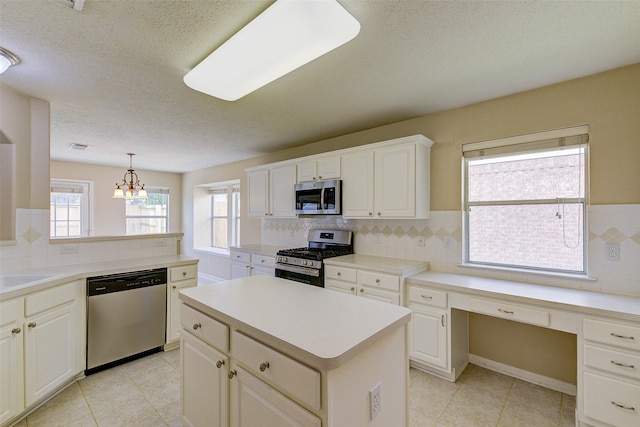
271,191
389,180
319,170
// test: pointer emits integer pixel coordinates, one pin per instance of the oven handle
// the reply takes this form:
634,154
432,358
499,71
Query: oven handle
302,270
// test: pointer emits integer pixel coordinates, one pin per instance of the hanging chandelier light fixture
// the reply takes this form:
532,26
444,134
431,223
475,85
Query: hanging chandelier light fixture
130,188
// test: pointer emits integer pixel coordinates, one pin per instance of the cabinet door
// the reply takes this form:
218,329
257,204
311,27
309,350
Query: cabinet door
50,351
240,270
428,336
357,185
11,402
204,384
307,171
329,168
173,315
347,288
258,193
282,194
395,181
253,403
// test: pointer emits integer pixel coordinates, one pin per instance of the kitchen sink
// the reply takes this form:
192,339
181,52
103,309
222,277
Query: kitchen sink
13,280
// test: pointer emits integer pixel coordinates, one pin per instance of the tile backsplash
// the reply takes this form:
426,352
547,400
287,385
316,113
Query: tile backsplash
33,250
442,237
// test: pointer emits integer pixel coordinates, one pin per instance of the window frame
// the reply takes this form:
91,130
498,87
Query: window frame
232,191
549,141
73,186
150,191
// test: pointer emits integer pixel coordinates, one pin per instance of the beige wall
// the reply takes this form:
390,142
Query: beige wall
109,213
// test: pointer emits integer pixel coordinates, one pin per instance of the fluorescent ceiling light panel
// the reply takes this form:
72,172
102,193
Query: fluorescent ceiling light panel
289,34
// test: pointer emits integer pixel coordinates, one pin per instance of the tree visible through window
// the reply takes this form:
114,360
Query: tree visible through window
150,215
525,205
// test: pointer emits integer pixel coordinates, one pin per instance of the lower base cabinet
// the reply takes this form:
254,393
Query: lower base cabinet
428,336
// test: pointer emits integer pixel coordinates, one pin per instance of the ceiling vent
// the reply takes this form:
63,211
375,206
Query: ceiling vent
73,4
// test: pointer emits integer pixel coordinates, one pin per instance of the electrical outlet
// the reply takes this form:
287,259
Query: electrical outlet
375,401
612,251
69,249
377,237
447,242
421,241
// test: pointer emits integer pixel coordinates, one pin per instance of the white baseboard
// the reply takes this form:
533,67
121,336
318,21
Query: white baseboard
521,374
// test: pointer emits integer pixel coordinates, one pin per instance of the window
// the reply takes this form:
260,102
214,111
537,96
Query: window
70,208
150,215
525,201
225,215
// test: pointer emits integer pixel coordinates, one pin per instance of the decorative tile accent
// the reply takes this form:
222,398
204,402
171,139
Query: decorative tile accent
31,235
636,238
613,235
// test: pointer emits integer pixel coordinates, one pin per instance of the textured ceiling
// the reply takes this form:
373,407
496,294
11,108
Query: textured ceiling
113,72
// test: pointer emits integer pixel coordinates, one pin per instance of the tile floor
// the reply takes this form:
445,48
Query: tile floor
146,392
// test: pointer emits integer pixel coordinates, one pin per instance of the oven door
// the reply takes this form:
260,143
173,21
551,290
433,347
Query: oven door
308,276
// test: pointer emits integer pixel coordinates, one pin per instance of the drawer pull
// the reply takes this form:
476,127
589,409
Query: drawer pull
339,274
16,330
505,311
219,364
32,324
377,280
232,374
264,366
173,286
623,365
427,297
624,337
628,408
362,291
442,320
197,326
353,289
184,273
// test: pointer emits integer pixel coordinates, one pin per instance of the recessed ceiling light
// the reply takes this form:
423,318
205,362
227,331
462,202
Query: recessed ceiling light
287,35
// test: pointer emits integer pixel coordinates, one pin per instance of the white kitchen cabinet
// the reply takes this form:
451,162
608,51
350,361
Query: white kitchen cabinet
610,394
11,359
42,345
388,180
271,191
240,263
204,384
262,264
180,277
247,262
319,169
428,335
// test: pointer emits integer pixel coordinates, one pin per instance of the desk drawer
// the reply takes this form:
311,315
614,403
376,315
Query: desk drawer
287,374
204,327
263,260
379,280
185,272
510,311
611,401
612,333
612,361
429,297
340,273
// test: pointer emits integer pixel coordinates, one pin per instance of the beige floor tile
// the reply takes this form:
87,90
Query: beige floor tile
173,357
170,412
154,375
489,380
163,394
535,395
64,409
520,414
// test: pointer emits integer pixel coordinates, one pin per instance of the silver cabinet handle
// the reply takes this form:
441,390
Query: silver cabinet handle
16,330
264,366
197,326
622,365
624,337
32,324
628,408
219,364
232,374
505,311
427,297
442,320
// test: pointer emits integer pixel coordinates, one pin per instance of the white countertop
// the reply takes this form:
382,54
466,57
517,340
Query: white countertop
67,273
396,266
619,306
317,326
258,248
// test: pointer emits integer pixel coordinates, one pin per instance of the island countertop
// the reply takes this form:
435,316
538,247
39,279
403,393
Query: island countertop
319,327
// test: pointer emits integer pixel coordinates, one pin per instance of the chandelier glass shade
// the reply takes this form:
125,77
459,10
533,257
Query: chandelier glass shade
130,187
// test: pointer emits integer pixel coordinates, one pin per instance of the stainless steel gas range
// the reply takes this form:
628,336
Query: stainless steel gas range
305,265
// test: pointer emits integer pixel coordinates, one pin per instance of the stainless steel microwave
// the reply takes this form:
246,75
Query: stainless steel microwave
319,198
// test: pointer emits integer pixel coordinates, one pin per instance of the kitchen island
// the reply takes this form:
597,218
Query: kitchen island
267,351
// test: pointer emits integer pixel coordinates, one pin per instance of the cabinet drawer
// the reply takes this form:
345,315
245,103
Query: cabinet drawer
240,256
430,297
207,329
262,260
612,361
50,298
340,273
612,333
510,311
379,280
9,311
290,376
611,401
185,272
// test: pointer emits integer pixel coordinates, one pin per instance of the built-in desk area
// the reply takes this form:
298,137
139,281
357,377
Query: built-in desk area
607,329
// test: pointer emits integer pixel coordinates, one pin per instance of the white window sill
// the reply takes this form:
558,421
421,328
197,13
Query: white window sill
526,271
212,251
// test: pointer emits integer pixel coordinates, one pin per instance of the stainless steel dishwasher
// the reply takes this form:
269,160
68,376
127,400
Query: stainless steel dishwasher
126,317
